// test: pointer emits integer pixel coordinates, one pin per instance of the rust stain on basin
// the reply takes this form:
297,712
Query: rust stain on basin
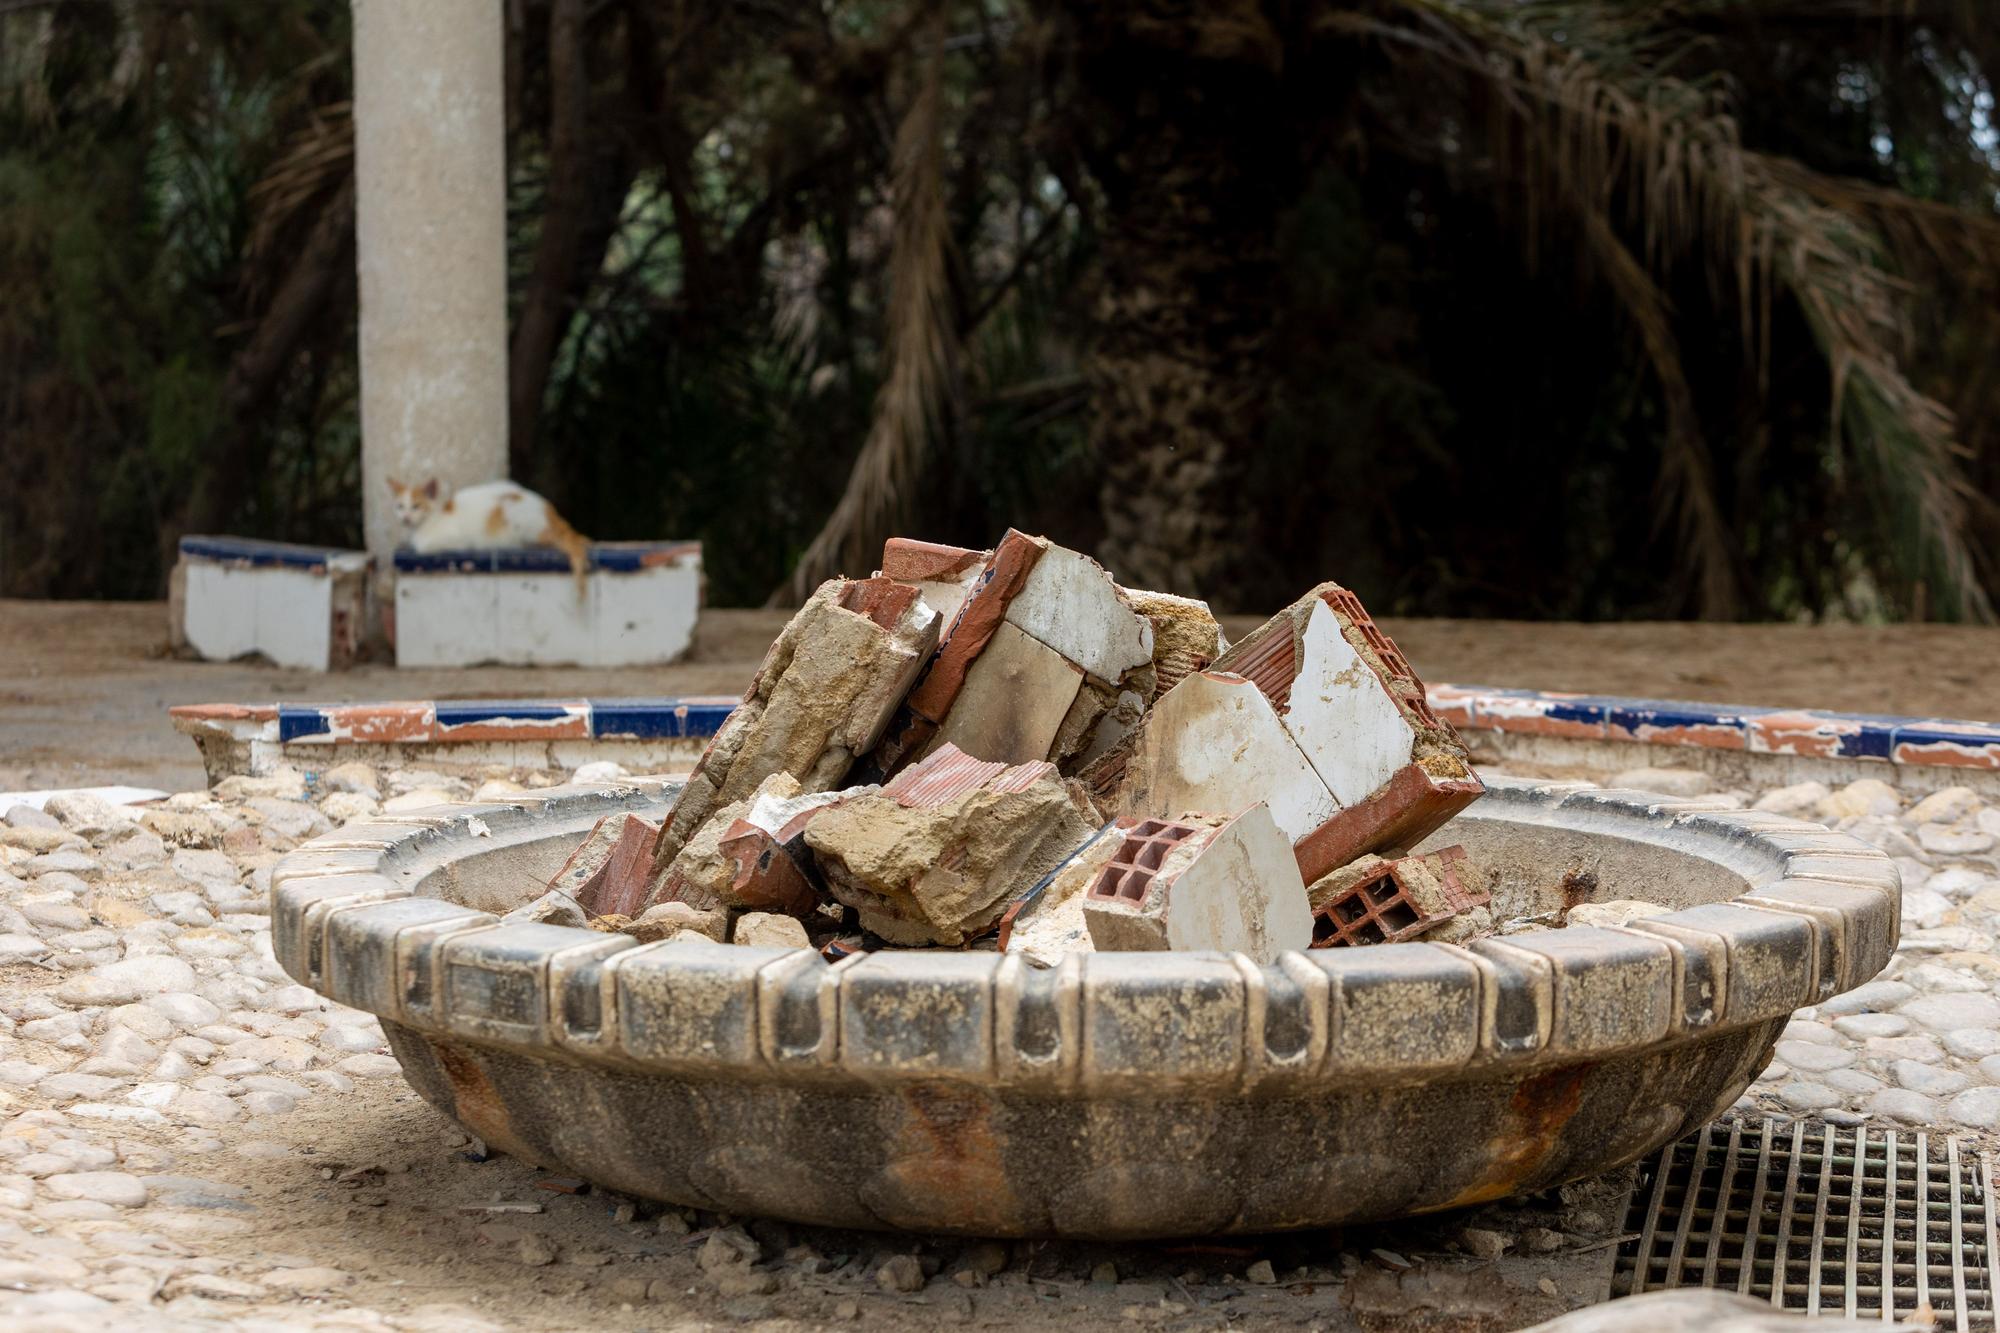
1536,1114
948,1151
477,1104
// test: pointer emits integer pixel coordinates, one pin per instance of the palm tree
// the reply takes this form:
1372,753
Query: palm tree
1611,128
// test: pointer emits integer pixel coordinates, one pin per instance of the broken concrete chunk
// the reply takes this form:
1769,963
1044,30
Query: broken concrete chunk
1359,715
826,689
1433,895
935,855
553,908
1186,635
670,919
1617,912
1046,923
1200,882
769,930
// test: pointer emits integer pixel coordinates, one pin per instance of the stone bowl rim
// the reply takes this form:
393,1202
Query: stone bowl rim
1822,916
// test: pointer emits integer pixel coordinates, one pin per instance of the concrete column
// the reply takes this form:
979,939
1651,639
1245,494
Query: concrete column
430,162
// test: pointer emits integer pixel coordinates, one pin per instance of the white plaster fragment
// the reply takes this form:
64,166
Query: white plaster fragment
1343,718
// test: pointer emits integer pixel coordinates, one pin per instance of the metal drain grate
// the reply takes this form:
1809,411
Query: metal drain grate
1780,1210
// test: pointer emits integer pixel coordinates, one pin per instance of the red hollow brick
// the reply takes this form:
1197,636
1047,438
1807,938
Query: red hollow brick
1402,812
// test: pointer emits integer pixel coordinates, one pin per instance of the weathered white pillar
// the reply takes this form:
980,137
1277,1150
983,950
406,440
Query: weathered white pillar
430,163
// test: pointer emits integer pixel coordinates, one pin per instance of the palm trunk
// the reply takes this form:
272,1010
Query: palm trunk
1187,136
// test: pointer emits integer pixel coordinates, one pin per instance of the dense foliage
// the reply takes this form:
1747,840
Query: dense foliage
1570,308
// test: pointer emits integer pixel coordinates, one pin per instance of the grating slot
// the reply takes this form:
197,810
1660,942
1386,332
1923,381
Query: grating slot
1820,1219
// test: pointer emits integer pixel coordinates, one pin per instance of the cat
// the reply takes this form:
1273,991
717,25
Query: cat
493,515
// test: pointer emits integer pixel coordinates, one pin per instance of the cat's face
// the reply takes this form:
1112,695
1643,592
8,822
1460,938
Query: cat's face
414,503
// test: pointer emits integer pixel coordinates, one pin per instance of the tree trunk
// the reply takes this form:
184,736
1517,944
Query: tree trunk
1182,123
547,304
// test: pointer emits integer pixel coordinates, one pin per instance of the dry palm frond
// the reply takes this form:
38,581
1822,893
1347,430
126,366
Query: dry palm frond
318,159
1687,473
913,408
1582,130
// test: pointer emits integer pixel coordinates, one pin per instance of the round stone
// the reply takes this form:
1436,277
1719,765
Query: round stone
1874,997
1807,1096
117,1188
1972,1043
1863,1026
1911,1108
132,979
1864,796
1951,840
1931,1080
1854,1081
370,1066
1948,1013
1814,1058
1976,1107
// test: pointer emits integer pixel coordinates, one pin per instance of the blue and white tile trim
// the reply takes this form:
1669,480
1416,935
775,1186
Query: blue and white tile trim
249,553
1875,738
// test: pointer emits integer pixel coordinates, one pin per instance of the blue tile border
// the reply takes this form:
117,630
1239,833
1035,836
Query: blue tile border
1809,733
613,557
255,554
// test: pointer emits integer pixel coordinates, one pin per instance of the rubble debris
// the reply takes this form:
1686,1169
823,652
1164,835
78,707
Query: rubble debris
1617,912
900,775
934,856
822,697
1042,646
619,885
1345,749
554,908
1046,923
1201,882
1378,900
771,931
750,855
666,920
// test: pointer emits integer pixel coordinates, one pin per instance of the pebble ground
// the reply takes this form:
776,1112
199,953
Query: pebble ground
148,1040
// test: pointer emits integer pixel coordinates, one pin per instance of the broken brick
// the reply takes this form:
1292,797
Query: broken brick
1201,882
943,575
1377,900
620,883
1044,645
1359,715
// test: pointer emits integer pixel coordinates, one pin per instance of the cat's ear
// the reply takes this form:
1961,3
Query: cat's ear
431,489
398,487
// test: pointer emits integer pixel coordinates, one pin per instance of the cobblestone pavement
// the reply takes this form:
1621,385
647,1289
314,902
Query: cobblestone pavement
164,1088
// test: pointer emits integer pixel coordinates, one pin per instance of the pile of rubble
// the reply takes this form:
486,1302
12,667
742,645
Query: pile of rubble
1007,750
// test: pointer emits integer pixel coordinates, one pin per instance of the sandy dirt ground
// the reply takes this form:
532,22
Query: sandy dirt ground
84,686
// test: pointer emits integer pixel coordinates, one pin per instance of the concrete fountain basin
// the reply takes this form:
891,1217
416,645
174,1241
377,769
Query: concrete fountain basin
1118,1095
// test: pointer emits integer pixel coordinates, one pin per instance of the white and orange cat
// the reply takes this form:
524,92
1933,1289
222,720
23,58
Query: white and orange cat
491,516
